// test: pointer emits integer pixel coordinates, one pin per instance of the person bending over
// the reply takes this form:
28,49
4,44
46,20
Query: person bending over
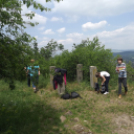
105,77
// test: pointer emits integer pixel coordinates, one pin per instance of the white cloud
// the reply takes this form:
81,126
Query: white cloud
61,30
67,43
90,25
37,18
44,42
93,7
49,31
122,38
41,28
36,37
56,19
75,35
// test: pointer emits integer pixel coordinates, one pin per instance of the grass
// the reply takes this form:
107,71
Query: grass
24,112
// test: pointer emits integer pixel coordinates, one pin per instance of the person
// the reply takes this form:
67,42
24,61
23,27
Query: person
105,77
27,75
34,72
122,76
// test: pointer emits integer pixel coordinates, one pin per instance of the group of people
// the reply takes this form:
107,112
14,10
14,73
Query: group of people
32,73
122,77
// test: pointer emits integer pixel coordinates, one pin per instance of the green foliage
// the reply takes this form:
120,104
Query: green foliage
50,49
23,112
90,53
15,44
43,81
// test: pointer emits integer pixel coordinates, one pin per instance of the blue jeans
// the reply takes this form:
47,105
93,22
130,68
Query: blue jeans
28,80
35,81
106,83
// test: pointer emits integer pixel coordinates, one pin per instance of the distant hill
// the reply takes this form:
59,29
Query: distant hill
126,55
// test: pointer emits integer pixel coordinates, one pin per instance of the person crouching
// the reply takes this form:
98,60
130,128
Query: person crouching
105,77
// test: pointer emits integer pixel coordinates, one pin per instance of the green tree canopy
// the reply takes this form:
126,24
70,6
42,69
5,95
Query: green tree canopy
15,43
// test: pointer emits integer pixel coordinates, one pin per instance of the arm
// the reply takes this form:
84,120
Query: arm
103,80
117,69
39,71
27,72
124,68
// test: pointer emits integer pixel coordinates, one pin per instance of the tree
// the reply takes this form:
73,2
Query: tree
50,49
15,44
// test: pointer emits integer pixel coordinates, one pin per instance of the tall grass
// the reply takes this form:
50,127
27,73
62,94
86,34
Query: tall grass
23,112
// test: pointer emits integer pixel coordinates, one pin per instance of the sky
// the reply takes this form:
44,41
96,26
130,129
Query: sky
71,21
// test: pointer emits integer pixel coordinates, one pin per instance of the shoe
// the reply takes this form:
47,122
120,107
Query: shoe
106,93
120,96
125,92
35,90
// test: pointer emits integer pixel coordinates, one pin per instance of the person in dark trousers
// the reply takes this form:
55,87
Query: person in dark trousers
28,76
122,76
34,72
105,77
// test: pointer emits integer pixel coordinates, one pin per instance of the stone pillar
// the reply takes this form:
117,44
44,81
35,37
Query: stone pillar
52,69
61,88
93,78
79,72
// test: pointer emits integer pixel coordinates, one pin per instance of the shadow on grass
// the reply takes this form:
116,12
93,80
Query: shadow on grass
25,113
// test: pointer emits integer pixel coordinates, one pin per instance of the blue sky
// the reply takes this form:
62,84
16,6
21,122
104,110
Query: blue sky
71,21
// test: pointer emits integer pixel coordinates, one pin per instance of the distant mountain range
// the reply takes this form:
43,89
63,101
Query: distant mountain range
118,51
127,55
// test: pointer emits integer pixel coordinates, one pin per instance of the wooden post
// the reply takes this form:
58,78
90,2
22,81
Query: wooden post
93,78
52,69
79,72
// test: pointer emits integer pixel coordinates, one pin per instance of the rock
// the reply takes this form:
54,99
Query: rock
68,113
132,118
78,128
62,118
85,121
66,126
85,133
75,119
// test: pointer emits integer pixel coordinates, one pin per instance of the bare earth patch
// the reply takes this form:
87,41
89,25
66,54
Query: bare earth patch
124,124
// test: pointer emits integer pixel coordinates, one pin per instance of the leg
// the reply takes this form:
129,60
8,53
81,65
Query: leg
125,84
106,83
119,81
28,80
33,84
37,82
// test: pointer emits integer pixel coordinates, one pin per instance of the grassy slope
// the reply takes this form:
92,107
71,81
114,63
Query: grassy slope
23,112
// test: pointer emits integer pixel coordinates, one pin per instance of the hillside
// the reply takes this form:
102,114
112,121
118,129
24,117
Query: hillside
126,55
23,112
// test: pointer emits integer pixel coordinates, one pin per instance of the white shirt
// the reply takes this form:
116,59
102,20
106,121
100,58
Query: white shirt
104,73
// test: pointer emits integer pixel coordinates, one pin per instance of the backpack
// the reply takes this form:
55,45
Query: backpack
97,88
65,96
68,96
103,89
75,95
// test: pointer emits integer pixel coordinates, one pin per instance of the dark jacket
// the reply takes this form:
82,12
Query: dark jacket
58,78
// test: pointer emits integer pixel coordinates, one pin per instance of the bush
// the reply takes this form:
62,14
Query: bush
43,81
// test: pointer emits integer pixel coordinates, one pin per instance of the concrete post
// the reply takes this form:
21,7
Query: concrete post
93,78
52,69
79,72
